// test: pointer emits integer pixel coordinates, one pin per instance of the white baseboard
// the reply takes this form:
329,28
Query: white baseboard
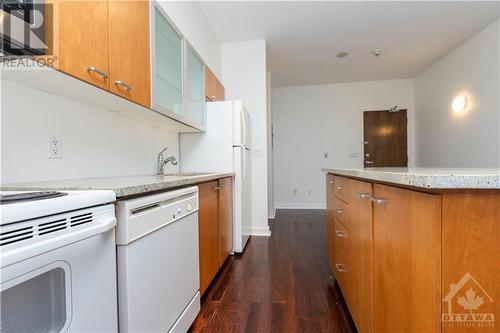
271,215
261,231
300,206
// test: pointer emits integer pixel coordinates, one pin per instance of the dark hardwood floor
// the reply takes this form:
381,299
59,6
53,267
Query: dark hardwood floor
279,284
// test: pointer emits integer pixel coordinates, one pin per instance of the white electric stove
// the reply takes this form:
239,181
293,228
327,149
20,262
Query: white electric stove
58,262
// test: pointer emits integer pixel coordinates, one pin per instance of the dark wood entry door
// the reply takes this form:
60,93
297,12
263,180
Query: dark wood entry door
385,139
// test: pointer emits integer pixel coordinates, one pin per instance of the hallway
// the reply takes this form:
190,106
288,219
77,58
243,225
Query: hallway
279,284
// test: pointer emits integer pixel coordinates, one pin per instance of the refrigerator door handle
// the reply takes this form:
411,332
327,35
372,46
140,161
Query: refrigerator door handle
243,122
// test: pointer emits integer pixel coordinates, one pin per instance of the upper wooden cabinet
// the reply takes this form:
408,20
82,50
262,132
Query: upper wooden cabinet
214,90
106,43
82,32
129,50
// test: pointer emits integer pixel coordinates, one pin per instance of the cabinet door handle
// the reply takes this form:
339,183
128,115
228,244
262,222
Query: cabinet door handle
363,195
339,188
221,185
339,234
339,210
378,201
123,84
217,188
340,269
103,74
330,182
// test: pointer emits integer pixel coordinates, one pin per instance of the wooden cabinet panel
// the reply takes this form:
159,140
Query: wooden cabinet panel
361,254
341,212
471,258
342,188
83,35
330,197
214,90
226,218
219,91
407,261
341,255
208,233
129,47
210,84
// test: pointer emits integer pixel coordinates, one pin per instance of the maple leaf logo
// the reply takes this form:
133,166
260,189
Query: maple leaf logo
471,301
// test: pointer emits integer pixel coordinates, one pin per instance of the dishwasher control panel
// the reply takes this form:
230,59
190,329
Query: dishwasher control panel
140,216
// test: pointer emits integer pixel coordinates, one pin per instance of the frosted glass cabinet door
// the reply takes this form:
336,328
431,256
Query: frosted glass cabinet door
167,67
195,89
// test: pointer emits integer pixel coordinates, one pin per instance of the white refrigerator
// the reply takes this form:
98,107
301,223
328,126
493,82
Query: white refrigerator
224,147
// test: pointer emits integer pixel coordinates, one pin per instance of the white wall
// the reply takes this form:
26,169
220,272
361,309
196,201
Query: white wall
191,20
95,142
471,138
243,66
312,120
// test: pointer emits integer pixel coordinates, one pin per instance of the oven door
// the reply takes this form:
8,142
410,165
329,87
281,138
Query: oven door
71,288
37,300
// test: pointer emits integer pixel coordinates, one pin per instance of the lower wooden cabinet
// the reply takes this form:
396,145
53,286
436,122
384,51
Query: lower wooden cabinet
215,227
407,260
225,218
414,260
208,232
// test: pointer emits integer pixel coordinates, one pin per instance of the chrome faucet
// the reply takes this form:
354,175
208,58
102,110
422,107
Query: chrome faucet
161,161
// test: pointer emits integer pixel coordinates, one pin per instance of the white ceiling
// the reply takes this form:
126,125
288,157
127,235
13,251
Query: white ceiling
304,37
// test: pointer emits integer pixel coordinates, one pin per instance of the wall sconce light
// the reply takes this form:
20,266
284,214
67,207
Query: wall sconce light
459,103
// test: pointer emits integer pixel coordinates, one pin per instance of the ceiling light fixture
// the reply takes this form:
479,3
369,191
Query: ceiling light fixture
459,103
377,53
342,54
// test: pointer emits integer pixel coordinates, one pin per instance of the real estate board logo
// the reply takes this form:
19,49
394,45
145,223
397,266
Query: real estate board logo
24,34
467,304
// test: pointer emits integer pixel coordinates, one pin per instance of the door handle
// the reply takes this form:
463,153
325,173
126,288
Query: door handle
368,162
123,84
378,201
339,210
103,74
363,195
340,269
339,234
339,188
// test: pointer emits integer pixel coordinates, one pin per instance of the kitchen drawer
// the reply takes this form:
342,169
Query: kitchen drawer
341,256
341,187
341,212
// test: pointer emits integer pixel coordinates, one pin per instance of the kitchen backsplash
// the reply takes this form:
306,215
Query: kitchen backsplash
92,142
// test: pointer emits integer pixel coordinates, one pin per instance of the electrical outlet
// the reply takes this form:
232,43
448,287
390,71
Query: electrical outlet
295,191
55,147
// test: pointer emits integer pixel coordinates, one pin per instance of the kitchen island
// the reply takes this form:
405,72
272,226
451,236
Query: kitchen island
416,250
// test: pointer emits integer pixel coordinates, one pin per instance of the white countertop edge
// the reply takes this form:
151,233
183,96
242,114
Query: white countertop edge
426,177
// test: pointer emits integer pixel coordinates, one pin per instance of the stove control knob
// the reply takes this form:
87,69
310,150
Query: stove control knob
179,211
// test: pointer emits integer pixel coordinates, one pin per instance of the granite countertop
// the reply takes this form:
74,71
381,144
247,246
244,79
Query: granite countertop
122,186
435,178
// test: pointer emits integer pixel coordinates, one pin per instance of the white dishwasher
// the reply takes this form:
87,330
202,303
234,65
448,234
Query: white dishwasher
158,265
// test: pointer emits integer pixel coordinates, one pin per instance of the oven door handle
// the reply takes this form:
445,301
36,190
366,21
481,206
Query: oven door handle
30,250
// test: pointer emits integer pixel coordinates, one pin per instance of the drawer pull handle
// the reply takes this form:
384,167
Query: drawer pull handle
339,188
123,84
338,266
217,188
378,201
103,74
339,234
363,195
339,211
330,182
